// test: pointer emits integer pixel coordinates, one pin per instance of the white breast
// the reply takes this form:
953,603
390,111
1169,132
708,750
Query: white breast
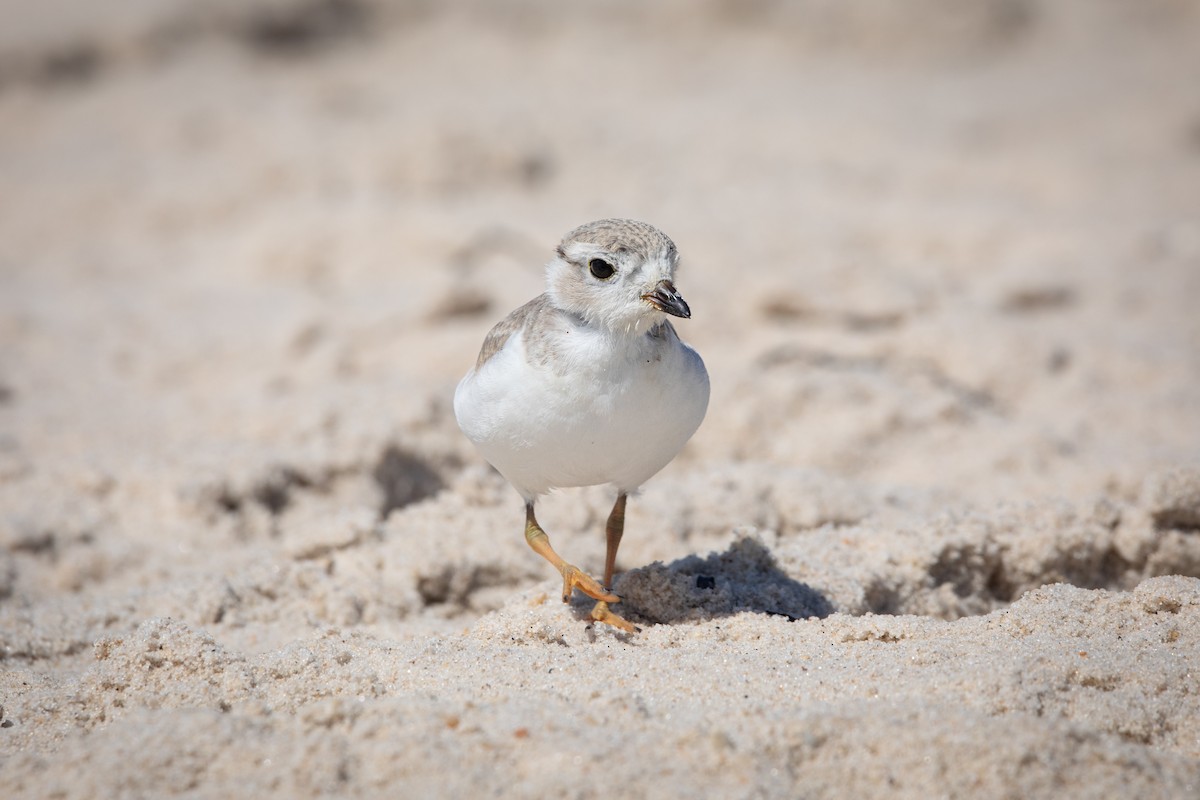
615,410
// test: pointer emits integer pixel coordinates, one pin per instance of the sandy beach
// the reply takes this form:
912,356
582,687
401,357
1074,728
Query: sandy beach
938,535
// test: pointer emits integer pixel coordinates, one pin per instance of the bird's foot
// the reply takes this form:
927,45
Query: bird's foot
601,613
575,578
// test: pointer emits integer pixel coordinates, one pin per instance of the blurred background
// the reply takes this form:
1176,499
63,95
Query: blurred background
248,247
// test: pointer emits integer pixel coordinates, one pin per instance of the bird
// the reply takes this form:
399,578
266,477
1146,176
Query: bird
589,384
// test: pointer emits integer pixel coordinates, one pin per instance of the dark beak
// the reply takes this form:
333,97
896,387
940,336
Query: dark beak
665,298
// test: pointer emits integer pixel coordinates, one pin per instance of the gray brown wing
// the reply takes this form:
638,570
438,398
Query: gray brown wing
494,342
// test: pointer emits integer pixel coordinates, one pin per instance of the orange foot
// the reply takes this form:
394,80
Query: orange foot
601,613
575,578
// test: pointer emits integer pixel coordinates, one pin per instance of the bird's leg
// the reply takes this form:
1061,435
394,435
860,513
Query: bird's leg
613,532
573,577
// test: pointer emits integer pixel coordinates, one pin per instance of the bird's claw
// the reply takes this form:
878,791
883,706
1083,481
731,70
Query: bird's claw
601,613
575,578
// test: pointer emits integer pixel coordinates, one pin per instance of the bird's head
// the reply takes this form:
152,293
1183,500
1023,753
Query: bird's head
618,274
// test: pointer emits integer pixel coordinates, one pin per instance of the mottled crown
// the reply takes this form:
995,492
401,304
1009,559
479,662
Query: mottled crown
620,235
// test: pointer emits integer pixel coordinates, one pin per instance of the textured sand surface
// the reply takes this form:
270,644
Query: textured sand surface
938,536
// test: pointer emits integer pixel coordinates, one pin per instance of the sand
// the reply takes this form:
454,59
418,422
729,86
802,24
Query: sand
939,535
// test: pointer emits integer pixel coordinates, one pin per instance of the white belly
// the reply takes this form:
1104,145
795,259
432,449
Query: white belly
614,418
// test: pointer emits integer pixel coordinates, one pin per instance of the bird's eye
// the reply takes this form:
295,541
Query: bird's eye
601,268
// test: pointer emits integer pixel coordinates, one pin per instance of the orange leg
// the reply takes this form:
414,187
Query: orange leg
573,577
613,532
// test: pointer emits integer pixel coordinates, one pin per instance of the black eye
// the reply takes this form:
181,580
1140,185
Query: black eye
601,268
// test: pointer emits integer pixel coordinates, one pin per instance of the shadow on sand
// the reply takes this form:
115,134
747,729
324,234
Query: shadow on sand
744,578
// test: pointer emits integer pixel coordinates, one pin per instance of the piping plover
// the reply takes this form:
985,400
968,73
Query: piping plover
588,384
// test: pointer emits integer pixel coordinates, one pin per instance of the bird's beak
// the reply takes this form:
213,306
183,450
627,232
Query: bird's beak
665,297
